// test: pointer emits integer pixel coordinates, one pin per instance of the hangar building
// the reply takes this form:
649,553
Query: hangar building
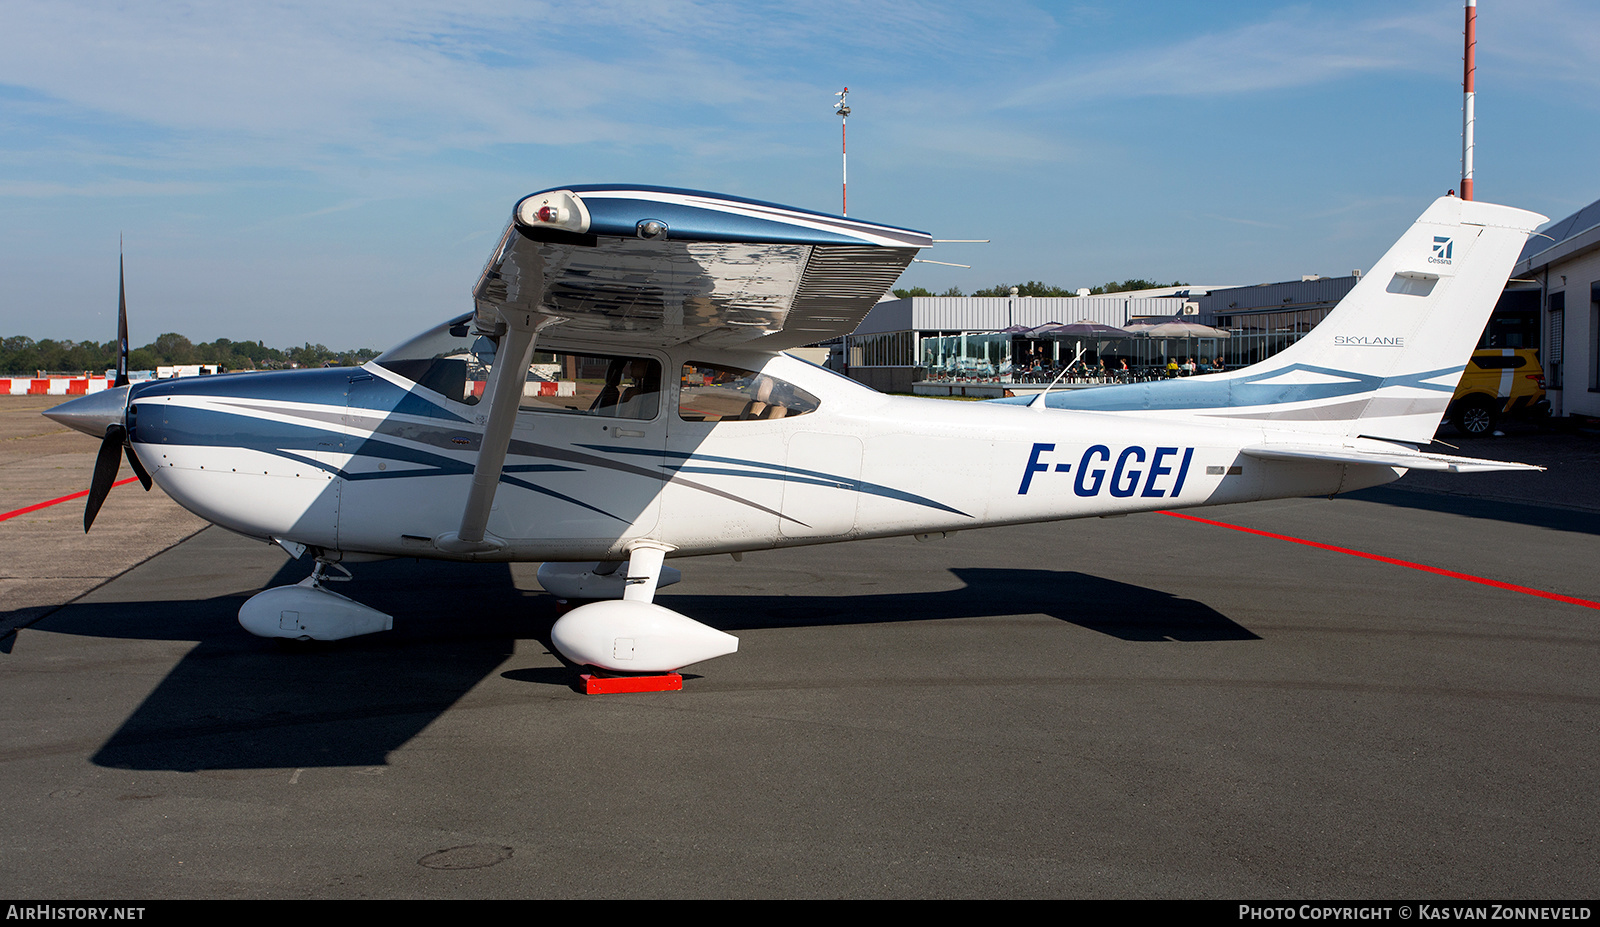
1559,272
904,341
899,340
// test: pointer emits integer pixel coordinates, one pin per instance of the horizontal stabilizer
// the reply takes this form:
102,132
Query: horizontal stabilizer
1412,460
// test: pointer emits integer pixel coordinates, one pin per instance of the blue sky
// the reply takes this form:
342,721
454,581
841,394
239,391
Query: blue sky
298,172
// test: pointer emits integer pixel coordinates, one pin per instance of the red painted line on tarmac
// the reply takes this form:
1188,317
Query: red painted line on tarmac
44,505
1511,587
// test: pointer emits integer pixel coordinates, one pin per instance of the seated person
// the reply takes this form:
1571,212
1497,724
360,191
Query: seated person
761,407
640,398
611,393
632,389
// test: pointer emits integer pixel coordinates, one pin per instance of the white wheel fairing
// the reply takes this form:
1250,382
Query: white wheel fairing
637,637
308,612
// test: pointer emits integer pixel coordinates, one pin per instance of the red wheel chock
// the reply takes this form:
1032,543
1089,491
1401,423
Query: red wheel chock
606,685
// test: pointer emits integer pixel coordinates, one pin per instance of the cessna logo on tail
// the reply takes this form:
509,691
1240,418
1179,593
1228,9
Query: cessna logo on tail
1443,245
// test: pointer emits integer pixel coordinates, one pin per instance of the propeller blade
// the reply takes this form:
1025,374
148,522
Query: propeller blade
105,472
138,468
122,328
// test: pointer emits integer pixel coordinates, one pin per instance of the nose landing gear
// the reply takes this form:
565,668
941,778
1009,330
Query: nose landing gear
308,612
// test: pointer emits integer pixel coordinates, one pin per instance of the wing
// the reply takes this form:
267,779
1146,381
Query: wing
655,266
652,266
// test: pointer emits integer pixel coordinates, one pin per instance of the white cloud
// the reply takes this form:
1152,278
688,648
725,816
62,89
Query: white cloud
1550,44
396,78
115,188
1293,48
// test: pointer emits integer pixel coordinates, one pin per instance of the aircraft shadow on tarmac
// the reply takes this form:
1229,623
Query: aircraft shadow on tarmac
1519,513
239,702
1121,610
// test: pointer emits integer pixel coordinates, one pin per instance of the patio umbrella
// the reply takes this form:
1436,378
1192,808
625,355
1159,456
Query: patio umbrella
1176,329
1097,334
1170,330
1085,329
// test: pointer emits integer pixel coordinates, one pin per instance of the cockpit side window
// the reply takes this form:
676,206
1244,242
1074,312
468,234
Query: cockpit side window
584,384
718,393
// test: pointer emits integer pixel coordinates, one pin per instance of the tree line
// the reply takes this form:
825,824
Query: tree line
1037,288
23,356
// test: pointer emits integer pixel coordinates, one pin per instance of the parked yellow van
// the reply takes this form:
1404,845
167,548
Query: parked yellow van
1499,383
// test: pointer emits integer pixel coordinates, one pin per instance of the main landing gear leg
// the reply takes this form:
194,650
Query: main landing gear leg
634,635
308,612
645,561
603,580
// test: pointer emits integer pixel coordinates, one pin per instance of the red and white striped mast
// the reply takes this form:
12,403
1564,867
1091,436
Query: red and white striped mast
843,108
1468,74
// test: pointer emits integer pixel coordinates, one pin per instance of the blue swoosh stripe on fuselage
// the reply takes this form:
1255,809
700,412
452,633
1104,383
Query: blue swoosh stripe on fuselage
307,386
157,424
1231,392
206,428
409,474
777,472
185,425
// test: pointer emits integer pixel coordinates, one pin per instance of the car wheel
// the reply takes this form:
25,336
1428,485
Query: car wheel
1475,417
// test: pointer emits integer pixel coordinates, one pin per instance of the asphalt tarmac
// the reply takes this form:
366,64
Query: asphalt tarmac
1141,707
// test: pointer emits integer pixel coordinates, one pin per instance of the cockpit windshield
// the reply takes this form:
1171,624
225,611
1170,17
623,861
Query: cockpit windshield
453,361
449,359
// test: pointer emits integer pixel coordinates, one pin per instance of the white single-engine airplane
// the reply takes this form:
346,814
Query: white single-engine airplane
662,417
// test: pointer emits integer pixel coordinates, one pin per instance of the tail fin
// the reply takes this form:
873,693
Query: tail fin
1386,360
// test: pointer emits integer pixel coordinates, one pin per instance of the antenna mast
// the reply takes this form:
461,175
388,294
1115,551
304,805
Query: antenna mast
1469,72
843,109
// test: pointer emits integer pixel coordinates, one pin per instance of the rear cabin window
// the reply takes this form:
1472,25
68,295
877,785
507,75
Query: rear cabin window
716,393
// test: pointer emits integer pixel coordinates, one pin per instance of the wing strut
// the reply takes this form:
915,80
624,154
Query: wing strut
510,372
